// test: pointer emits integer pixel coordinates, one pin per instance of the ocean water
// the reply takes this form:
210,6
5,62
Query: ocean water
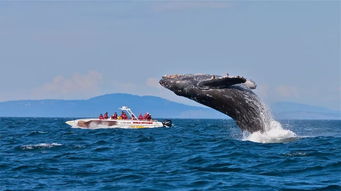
46,154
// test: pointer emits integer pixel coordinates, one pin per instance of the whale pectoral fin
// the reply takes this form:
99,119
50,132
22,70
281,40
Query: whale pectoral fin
222,82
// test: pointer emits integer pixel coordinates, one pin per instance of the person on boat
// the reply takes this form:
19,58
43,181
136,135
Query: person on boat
149,117
133,117
124,115
106,115
100,116
114,116
140,117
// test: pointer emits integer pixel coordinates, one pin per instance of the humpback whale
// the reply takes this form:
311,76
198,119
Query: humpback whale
231,95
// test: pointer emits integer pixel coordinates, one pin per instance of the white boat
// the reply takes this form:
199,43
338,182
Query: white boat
132,122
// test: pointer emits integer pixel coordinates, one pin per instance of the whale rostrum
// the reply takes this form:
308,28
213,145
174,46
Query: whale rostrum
231,95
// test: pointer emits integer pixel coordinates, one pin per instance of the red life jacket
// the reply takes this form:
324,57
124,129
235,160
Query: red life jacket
114,116
149,117
140,117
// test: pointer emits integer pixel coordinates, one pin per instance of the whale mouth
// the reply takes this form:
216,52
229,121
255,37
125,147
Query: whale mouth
168,80
164,82
173,83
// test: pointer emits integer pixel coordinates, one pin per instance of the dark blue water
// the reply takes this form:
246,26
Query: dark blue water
46,154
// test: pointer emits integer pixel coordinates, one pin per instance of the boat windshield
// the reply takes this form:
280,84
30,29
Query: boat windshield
128,110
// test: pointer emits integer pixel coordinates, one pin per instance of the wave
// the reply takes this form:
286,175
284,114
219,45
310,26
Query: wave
40,146
37,132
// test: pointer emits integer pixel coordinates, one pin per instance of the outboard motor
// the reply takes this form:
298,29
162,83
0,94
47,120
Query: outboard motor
167,123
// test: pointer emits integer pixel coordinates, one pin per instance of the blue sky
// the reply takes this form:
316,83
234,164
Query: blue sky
80,49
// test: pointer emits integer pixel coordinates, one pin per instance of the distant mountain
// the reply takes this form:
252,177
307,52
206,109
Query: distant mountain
290,110
158,107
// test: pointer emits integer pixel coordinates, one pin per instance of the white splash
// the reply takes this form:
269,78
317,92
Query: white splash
273,130
273,134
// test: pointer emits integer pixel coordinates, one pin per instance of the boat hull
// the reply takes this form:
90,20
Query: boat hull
110,123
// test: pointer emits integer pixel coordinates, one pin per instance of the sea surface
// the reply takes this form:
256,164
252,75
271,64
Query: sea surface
47,154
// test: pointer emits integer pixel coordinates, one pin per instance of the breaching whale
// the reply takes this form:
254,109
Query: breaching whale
231,95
